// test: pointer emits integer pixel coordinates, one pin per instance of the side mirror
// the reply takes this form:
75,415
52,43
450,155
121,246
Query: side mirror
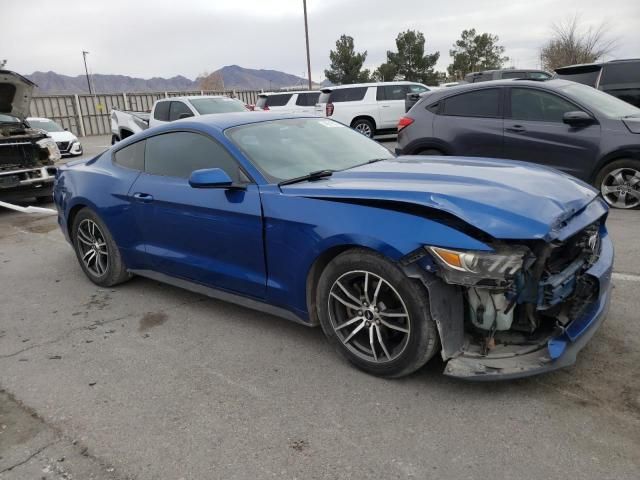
211,178
185,115
66,129
577,118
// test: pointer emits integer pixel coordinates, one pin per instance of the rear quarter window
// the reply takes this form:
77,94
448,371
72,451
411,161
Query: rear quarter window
278,100
307,99
621,73
348,94
131,156
479,103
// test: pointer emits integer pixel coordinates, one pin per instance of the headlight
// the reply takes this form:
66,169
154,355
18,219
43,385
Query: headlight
478,268
50,146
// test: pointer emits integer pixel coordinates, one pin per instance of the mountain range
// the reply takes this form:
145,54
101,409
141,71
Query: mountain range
233,77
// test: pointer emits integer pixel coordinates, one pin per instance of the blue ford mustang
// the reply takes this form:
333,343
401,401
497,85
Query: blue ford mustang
502,267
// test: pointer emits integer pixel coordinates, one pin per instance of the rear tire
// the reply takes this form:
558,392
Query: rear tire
45,199
364,126
381,323
619,183
97,252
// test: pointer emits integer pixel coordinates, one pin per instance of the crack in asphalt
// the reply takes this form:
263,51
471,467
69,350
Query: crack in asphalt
29,458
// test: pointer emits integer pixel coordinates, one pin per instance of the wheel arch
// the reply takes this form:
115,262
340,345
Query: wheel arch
619,154
364,117
425,144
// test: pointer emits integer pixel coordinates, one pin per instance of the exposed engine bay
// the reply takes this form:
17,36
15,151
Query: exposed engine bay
27,155
515,298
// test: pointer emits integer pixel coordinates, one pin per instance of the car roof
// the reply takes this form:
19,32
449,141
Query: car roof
370,84
222,121
287,92
552,83
40,119
191,97
578,66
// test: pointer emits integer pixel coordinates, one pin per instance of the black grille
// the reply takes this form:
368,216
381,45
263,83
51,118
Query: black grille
63,146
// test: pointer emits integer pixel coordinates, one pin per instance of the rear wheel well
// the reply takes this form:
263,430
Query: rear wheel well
71,217
313,276
364,117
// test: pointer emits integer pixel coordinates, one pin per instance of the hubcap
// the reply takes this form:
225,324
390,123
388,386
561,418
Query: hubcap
364,129
369,316
621,188
93,247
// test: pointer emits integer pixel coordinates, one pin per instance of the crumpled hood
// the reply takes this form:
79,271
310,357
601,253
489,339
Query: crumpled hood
15,94
506,199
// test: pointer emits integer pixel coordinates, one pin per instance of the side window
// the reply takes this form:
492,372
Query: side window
479,103
538,106
417,89
179,110
278,100
161,112
539,75
307,99
380,93
353,94
180,153
507,75
621,73
395,92
131,156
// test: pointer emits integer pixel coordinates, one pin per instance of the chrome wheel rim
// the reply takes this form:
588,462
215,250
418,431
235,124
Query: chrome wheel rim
93,247
364,129
621,188
369,316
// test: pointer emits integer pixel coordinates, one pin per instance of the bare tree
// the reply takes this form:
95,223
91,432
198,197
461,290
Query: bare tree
571,44
211,81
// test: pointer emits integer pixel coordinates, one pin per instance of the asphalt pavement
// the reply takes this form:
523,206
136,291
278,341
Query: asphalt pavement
147,381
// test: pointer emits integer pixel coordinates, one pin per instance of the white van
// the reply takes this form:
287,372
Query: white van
370,108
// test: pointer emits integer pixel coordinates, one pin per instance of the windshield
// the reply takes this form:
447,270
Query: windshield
291,148
9,119
46,125
205,106
607,104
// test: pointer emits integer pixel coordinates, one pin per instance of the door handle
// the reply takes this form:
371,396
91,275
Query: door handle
516,129
143,197
385,106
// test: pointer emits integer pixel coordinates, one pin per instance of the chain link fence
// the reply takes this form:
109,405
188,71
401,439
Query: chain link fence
89,114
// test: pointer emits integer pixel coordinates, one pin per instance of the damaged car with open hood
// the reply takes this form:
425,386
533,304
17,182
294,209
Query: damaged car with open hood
501,267
27,155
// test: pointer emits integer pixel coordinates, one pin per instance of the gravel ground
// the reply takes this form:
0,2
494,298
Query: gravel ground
146,381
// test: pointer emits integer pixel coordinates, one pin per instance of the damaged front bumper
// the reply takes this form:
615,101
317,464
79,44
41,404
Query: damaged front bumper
560,350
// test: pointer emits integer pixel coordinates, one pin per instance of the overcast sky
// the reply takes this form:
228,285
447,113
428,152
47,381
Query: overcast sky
146,38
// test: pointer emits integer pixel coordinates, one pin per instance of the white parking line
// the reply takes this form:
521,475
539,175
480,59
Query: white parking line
629,277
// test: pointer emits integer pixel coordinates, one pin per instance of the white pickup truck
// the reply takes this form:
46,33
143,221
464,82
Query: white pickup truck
125,123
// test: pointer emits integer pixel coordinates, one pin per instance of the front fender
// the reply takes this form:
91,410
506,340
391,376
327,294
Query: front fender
294,239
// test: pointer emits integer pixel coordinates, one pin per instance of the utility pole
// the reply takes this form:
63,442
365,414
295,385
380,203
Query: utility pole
306,34
86,70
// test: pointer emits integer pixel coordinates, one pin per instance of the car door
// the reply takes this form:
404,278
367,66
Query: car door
390,104
212,236
471,123
534,131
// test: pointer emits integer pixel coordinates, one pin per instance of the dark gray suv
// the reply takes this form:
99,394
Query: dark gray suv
569,126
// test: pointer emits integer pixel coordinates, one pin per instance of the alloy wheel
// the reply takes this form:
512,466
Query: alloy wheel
621,188
369,316
364,129
93,247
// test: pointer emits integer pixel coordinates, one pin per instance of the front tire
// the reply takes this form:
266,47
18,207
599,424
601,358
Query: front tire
96,250
619,183
374,315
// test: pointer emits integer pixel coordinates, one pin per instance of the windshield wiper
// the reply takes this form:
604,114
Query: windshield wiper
308,177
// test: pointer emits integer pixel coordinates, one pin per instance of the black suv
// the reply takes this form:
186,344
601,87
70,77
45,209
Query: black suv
620,78
506,74
566,125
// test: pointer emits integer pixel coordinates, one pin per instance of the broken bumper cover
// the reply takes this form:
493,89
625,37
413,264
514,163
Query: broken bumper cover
31,182
560,351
